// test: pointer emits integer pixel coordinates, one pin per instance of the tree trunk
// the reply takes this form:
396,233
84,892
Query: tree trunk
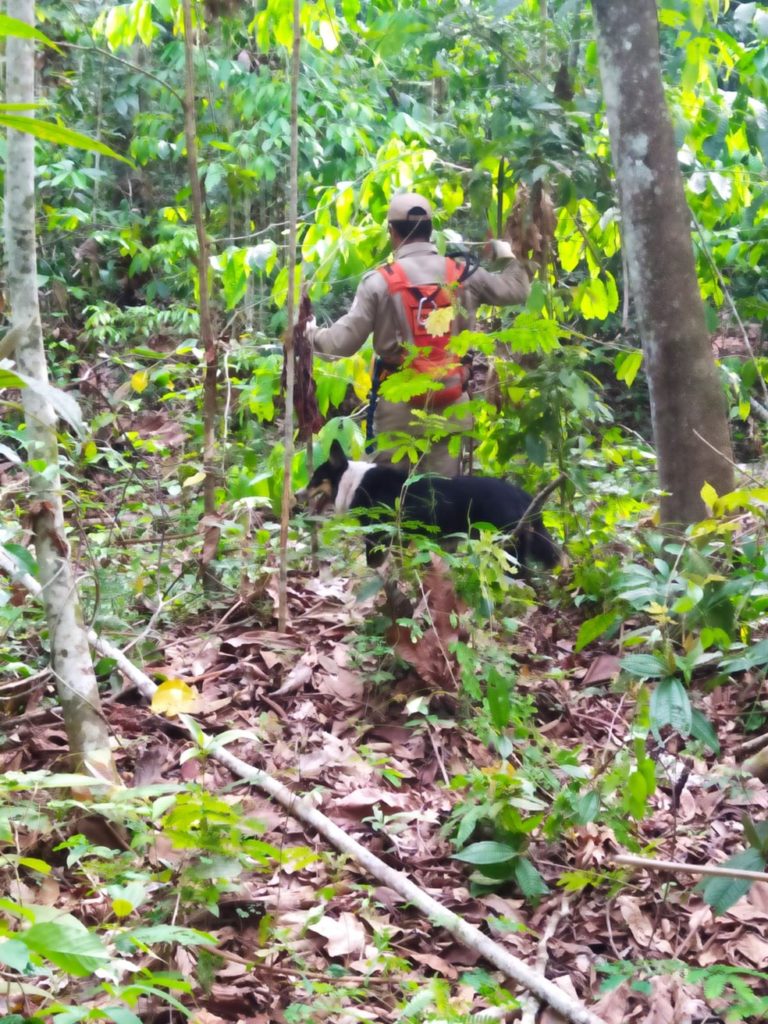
293,206
207,334
70,655
688,408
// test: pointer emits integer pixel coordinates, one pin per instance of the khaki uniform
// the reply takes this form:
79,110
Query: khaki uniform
375,311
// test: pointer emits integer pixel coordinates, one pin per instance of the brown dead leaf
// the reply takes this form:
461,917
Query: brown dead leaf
437,964
602,669
360,803
345,934
612,1008
753,948
638,923
429,654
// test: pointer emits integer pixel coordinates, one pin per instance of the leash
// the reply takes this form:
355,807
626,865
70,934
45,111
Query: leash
373,397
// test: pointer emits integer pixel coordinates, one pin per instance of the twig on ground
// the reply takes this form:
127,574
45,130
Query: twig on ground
531,1005
677,867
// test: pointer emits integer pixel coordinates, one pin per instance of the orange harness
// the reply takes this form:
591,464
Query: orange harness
433,357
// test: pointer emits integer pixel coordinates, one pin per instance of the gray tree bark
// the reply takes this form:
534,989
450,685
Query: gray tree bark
688,408
70,655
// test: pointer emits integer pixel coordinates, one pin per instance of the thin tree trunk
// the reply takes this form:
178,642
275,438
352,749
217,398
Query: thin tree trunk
207,336
688,407
70,657
293,214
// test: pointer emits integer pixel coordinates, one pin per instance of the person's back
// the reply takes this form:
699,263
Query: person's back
376,311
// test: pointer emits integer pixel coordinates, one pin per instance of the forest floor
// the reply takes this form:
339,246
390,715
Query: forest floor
377,758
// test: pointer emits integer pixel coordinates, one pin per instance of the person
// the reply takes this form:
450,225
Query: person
376,309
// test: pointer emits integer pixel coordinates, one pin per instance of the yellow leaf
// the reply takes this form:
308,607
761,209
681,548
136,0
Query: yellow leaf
361,379
194,480
439,321
122,908
175,697
139,380
90,451
709,495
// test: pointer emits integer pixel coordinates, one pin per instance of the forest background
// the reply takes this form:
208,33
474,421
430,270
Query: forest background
502,743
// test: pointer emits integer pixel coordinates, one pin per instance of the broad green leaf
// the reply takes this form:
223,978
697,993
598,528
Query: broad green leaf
120,1015
592,628
487,852
722,893
644,666
63,403
703,730
14,27
627,365
636,795
586,807
528,878
14,954
59,135
23,556
498,689
164,933
68,944
671,705
753,656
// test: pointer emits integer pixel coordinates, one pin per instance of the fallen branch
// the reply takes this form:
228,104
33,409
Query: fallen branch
440,916
140,679
677,867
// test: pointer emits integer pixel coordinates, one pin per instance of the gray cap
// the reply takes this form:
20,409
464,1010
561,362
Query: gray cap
401,206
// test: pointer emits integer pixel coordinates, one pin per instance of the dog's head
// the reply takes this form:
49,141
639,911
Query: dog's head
323,488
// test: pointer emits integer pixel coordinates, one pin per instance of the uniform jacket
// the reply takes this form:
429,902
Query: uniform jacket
375,311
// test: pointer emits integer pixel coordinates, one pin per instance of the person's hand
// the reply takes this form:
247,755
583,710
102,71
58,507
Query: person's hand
310,329
499,249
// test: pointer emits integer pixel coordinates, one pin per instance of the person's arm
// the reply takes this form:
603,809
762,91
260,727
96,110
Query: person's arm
349,333
508,286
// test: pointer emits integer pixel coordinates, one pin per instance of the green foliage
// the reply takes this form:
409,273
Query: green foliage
91,965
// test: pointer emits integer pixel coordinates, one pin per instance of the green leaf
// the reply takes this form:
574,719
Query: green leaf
636,795
528,878
757,655
497,691
58,134
591,629
162,933
407,384
722,893
14,954
644,666
23,556
671,705
68,944
487,852
627,365
586,807
64,404
703,730
14,27
121,1015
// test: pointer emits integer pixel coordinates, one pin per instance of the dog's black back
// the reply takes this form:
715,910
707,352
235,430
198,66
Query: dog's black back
433,505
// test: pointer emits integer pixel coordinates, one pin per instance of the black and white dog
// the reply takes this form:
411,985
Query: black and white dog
436,505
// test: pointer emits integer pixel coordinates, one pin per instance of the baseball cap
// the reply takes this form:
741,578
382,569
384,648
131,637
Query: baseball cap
402,204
